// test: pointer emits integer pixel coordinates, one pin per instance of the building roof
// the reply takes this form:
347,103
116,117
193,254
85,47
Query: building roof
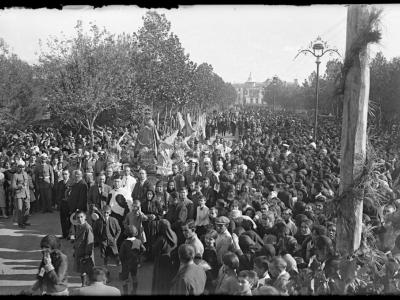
249,85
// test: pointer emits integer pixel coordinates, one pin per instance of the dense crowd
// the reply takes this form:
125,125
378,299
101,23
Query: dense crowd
244,215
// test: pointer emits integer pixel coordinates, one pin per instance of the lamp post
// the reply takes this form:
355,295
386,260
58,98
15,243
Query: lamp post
317,48
274,83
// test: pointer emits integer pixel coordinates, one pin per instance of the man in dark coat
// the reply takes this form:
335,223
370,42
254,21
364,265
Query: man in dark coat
63,188
191,278
98,193
45,180
78,197
106,231
141,187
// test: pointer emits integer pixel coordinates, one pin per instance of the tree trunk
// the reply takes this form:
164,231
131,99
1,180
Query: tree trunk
92,136
354,135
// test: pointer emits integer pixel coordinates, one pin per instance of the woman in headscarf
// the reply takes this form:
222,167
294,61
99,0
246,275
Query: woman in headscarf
152,208
171,186
163,270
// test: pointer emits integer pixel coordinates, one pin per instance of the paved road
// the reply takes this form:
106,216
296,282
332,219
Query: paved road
20,256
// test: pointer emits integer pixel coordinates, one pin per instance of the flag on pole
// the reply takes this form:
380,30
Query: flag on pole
188,125
180,120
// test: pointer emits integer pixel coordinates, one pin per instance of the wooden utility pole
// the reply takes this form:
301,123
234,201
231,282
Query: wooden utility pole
354,133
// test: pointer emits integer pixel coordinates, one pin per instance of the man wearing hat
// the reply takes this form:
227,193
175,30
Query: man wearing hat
45,180
224,241
20,184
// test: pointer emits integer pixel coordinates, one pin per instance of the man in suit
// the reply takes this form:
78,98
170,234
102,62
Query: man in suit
88,167
98,193
191,278
62,190
141,187
98,285
109,176
100,164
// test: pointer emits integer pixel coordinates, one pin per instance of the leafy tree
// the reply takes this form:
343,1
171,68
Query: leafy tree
163,69
88,75
19,91
166,77
384,89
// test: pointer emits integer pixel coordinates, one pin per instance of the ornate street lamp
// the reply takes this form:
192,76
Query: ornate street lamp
317,48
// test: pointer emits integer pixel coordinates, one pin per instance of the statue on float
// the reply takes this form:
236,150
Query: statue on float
147,143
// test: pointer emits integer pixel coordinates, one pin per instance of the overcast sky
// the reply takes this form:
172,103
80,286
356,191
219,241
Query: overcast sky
234,39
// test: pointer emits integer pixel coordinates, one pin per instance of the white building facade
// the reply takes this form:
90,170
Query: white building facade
249,93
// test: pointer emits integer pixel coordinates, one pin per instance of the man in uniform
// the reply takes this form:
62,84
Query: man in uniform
20,184
224,241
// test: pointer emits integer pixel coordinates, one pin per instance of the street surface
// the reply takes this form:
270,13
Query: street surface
20,256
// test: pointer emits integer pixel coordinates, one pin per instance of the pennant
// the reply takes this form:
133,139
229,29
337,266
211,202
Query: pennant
181,122
171,139
188,125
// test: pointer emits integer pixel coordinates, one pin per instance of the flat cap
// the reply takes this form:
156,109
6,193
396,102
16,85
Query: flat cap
222,220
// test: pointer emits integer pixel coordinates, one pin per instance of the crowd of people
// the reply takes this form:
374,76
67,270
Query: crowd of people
243,215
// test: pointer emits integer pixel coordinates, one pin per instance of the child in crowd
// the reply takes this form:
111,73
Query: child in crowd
202,218
129,254
212,216
136,218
